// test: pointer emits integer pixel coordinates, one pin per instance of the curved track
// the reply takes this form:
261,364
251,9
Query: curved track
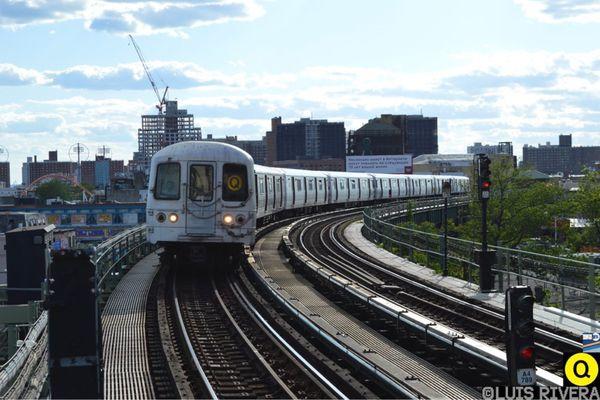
322,241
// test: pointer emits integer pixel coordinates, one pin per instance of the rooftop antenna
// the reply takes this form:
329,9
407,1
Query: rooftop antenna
103,151
161,100
78,150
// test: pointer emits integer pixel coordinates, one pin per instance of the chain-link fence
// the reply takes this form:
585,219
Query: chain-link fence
566,283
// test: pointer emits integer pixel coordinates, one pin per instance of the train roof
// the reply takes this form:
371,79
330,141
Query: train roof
203,151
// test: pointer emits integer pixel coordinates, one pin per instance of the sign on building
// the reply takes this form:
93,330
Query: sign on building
392,164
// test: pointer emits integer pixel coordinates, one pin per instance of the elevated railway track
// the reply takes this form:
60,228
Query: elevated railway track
474,330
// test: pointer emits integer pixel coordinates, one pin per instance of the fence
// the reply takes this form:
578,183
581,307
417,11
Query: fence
566,283
114,256
111,258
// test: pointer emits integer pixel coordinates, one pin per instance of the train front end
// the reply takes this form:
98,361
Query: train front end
201,200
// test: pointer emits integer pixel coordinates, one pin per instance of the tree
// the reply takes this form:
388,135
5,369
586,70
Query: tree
587,204
53,189
519,207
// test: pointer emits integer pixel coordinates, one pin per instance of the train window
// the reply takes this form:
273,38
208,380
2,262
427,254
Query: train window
353,184
235,182
270,184
298,185
167,181
320,185
261,185
311,186
342,186
201,182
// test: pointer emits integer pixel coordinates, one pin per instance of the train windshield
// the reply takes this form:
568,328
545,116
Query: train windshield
235,182
167,182
201,182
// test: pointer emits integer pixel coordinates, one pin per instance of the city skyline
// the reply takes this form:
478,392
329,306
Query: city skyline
523,71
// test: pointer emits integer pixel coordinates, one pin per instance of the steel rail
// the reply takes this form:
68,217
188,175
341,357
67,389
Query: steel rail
191,351
351,354
336,393
541,331
248,343
442,333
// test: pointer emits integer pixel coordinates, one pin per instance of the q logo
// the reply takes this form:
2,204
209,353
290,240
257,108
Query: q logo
234,183
581,369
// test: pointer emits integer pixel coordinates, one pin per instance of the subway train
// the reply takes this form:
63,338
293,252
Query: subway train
208,197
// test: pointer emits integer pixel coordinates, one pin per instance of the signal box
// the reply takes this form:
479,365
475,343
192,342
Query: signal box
520,326
27,257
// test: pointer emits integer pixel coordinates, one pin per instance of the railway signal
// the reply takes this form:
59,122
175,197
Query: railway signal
484,257
519,325
484,176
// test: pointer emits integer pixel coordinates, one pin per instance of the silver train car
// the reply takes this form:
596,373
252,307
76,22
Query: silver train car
209,197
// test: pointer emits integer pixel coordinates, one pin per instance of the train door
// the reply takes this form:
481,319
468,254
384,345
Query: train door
256,190
305,192
267,195
335,185
275,194
280,191
200,199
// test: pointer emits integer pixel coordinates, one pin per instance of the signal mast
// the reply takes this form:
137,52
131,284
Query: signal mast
161,100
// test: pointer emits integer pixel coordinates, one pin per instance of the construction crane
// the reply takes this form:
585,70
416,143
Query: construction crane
161,100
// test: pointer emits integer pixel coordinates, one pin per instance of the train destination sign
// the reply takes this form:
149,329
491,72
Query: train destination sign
391,164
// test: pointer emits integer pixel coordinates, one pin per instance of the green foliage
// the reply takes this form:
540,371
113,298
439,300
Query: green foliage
587,204
518,208
53,189
88,186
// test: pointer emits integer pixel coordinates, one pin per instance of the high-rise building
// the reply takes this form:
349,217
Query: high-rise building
395,134
564,158
32,169
500,148
99,172
162,130
256,148
308,139
271,137
4,174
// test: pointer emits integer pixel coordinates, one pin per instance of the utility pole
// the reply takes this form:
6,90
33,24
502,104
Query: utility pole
484,258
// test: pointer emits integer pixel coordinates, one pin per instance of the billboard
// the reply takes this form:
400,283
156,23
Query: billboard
392,164
78,219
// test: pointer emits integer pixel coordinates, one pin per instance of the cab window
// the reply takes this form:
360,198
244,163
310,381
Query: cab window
201,182
167,181
235,182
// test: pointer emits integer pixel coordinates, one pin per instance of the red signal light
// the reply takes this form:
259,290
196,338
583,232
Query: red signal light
526,353
486,184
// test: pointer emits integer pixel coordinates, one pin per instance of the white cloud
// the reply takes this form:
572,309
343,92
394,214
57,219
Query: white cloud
552,11
121,17
500,96
12,75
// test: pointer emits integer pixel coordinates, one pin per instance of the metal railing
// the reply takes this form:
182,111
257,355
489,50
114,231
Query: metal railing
569,284
116,255
112,259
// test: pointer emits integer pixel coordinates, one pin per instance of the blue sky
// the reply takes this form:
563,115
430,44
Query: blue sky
493,70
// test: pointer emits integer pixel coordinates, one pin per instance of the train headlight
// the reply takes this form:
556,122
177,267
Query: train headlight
227,219
161,217
173,217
